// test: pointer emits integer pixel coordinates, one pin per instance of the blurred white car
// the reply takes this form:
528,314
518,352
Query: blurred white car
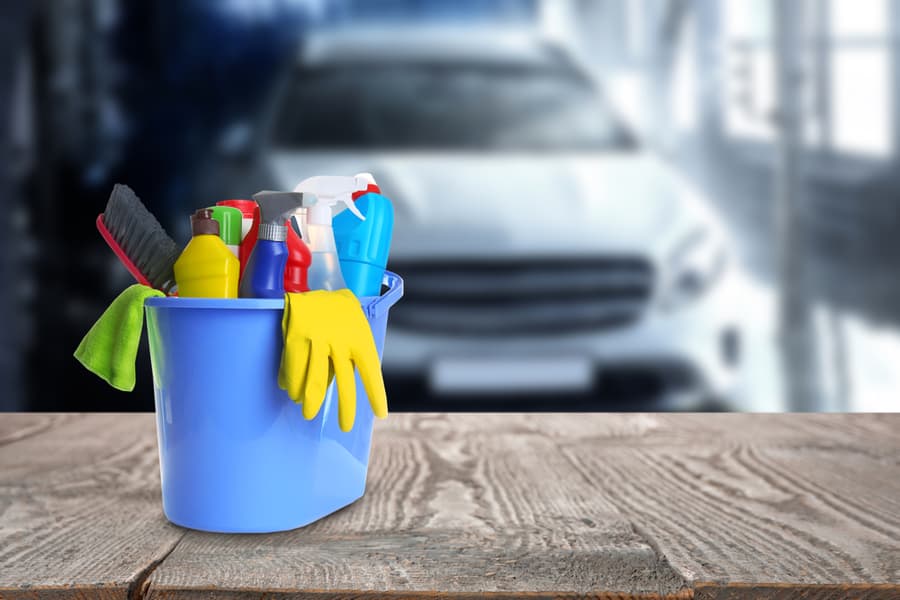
543,251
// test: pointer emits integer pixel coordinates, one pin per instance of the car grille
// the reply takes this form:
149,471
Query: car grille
522,297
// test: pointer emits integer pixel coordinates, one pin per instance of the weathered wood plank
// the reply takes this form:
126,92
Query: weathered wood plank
776,591
80,511
669,430
610,506
815,507
17,426
447,512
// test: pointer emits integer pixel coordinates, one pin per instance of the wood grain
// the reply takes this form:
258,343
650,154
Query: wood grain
17,426
445,511
706,506
791,591
812,502
80,509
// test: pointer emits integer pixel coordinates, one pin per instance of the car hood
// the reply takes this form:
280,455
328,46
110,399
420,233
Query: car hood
452,206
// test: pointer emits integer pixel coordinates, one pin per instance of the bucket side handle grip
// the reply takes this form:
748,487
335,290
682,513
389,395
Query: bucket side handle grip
388,299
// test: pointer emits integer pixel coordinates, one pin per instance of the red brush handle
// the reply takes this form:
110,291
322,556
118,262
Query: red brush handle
123,258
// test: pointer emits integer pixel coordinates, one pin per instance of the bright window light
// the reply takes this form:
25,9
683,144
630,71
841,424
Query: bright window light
861,100
859,18
626,91
635,16
751,95
812,127
854,69
684,83
748,19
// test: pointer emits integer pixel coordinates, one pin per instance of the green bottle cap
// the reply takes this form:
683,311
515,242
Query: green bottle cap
229,219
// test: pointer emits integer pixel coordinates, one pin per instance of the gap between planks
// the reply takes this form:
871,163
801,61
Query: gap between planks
141,584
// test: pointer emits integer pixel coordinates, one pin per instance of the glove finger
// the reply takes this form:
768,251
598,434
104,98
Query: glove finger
294,361
346,389
285,333
366,360
286,315
316,381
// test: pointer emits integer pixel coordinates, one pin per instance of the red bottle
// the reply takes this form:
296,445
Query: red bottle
298,261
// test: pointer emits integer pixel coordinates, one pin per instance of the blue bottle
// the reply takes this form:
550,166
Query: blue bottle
363,246
264,275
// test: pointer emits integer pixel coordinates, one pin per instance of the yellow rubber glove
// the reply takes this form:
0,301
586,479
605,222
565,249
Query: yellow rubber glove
326,333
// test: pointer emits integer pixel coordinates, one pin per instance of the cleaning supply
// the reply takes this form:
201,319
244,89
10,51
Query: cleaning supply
249,227
109,349
206,267
264,274
229,219
327,332
235,453
363,246
138,239
329,190
298,260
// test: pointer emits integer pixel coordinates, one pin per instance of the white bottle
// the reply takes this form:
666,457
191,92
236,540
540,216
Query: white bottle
325,269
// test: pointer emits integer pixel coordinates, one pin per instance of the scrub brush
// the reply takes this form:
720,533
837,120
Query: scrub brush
138,239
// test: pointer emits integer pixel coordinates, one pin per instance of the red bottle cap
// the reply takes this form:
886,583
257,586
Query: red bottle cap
372,188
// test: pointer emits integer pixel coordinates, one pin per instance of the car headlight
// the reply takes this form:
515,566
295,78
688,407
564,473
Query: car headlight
692,267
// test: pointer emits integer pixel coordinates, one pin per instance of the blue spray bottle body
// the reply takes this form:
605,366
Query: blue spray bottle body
264,275
364,245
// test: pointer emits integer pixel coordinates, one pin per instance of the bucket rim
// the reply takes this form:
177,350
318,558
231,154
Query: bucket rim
371,303
216,303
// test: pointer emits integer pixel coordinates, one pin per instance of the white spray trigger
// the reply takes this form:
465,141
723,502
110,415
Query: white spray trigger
331,189
351,205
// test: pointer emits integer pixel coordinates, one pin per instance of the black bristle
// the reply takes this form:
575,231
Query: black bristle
141,237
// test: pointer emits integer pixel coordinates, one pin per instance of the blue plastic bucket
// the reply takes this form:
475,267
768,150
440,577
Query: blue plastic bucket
235,453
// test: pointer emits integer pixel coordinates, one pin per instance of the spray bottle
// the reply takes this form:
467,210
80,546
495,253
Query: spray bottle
363,246
329,190
299,258
264,274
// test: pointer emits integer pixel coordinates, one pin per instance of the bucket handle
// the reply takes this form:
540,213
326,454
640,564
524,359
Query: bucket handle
386,300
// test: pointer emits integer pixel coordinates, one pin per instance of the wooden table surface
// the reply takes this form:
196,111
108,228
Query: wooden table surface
537,505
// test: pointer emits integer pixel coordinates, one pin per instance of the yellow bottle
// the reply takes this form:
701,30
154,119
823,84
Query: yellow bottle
206,267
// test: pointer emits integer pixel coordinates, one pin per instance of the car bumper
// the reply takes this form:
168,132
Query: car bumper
688,354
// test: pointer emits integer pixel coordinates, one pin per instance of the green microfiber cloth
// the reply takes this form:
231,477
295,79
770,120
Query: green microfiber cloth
109,349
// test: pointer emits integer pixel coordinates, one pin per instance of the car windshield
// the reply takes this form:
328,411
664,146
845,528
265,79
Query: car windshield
449,107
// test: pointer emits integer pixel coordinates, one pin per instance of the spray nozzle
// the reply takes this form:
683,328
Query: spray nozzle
371,186
275,208
330,190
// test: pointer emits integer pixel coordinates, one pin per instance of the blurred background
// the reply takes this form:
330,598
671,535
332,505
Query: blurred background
600,204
